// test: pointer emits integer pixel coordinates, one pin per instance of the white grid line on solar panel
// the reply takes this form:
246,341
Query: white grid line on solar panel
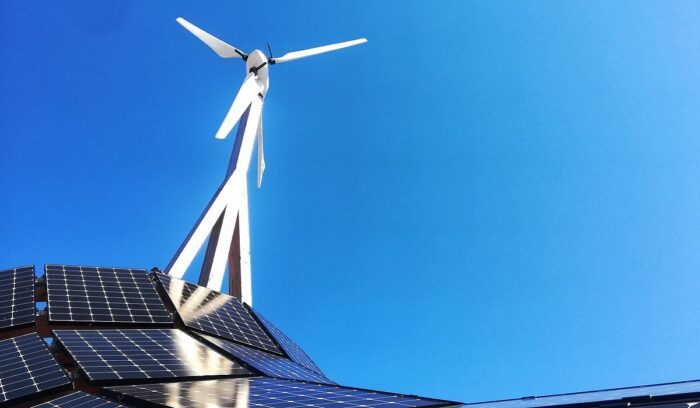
292,349
216,313
268,392
91,294
17,296
79,399
135,300
139,354
27,366
267,363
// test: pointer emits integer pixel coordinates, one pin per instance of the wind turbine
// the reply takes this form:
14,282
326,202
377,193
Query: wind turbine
225,220
257,80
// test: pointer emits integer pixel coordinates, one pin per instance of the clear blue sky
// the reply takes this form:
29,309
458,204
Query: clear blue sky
488,200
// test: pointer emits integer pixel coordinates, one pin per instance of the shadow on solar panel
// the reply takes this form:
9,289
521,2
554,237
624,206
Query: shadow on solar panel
81,294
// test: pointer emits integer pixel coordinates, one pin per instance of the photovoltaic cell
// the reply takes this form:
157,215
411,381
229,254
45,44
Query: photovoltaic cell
17,297
291,348
27,367
99,295
135,354
638,394
79,399
267,363
265,392
215,313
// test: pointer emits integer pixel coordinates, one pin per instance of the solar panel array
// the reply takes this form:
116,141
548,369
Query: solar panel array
638,394
79,399
27,367
94,295
267,363
132,354
291,348
264,392
242,360
216,313
17,297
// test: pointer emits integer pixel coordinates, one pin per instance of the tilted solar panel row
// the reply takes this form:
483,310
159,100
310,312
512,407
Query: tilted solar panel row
215,313
267,363
218,314
103,295
116,295
79,399
239,345
263,392
144,354
27,367
17,307
611,397
290,348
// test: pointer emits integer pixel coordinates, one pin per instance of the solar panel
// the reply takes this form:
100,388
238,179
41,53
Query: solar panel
638,394
143,354
79,399
27,367
291,348
215,313
94,295
264,392
268,364
17,297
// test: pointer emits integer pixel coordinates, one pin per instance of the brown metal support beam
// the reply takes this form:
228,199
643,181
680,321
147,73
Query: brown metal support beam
234,263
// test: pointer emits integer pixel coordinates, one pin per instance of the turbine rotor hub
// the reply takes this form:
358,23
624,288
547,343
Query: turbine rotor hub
257,64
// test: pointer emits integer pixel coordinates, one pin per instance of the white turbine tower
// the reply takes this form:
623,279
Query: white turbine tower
225,220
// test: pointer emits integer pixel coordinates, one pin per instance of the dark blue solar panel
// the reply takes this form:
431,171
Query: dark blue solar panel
216,313
638,394
97,294
267,363
17,297
265,392
27,367
291,348
111,355
79,399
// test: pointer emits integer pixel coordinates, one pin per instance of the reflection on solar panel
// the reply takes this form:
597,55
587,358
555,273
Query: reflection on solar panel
672,405
268,364
215,313
110,355
292,349
17,297
264,392
79,400
639,394
90,294
27,367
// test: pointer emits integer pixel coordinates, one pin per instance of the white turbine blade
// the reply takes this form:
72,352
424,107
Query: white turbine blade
261,153
223,49
291,56
249,90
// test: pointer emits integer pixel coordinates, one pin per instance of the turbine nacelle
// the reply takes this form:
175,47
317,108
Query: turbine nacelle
257,81
258,63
